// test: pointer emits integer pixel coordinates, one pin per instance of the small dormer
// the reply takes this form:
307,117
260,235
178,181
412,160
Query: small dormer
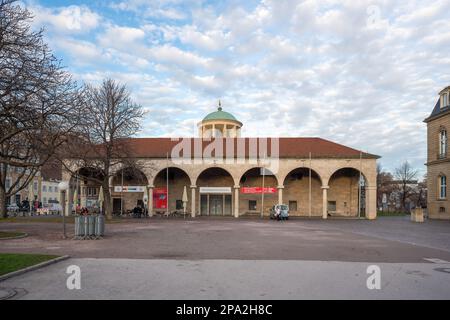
442,106
445,97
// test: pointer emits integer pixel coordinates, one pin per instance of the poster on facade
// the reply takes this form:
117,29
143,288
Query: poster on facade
257,190
129,189
160,198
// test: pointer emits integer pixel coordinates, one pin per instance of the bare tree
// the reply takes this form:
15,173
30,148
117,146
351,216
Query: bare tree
405,174
38,100
112,117
385,185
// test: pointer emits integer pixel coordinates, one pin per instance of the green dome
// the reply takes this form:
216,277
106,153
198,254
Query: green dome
220,115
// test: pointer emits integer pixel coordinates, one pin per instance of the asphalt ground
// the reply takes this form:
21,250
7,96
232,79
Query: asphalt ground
382,240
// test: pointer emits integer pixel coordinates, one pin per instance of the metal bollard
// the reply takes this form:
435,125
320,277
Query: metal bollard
91,226
80,227
85,227
99,226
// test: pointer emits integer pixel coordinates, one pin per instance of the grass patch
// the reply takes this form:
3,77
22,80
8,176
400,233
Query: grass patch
391,214
43,219
4,234
10,262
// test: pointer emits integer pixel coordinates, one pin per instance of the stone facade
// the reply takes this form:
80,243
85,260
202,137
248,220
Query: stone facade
438,161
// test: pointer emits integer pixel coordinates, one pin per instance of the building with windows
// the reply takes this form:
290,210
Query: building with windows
220,173
15,177
49,191
42,189
438,159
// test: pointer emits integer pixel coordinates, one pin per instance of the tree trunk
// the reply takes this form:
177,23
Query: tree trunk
107,201
3,212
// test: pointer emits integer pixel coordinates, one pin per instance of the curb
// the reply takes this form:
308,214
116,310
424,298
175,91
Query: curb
34,267
16,237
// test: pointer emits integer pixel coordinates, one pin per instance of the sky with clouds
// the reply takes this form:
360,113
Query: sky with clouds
361,73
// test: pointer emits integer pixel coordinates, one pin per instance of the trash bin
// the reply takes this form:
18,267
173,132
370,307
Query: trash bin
100,225
417,215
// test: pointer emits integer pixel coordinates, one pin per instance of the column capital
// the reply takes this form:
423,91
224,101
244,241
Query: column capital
150,186
325,187
193,186
280,187
237,187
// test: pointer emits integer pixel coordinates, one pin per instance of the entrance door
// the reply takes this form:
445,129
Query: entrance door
216,205
17,199
117,204
203,204
228,204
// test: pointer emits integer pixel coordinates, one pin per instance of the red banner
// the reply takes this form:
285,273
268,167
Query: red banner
160,198
256,190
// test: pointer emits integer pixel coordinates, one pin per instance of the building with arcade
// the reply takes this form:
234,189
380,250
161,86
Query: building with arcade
220,173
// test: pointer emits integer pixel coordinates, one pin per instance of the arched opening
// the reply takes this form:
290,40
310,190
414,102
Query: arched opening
347,193
303,192
258,192
129,190
215,186
169,185
84,189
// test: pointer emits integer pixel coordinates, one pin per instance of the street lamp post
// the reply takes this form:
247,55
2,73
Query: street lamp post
63,187
145,200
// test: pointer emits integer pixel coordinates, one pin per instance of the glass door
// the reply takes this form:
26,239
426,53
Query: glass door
203,204
216,205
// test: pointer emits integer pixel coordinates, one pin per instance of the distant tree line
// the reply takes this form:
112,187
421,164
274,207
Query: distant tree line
400,190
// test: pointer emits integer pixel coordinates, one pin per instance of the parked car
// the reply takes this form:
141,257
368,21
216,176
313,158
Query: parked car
279,212
13,207
53,207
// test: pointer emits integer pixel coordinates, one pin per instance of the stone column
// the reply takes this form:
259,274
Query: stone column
193,191
325,201
150,200
236,201
83,194
280,194
213,131
371,202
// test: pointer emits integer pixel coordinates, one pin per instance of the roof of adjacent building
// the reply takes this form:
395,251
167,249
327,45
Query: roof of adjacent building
220,115
438,111
288,147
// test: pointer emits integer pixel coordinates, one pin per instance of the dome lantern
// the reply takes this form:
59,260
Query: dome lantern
219,124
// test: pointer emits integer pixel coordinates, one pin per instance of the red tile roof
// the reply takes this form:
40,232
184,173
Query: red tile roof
288,147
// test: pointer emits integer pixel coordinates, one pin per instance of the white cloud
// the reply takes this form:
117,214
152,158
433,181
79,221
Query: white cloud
121,37
71,19
294,68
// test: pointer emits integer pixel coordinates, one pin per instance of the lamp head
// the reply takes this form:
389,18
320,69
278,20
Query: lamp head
63,185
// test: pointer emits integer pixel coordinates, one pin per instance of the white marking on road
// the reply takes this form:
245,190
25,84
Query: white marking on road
436,260
53,248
